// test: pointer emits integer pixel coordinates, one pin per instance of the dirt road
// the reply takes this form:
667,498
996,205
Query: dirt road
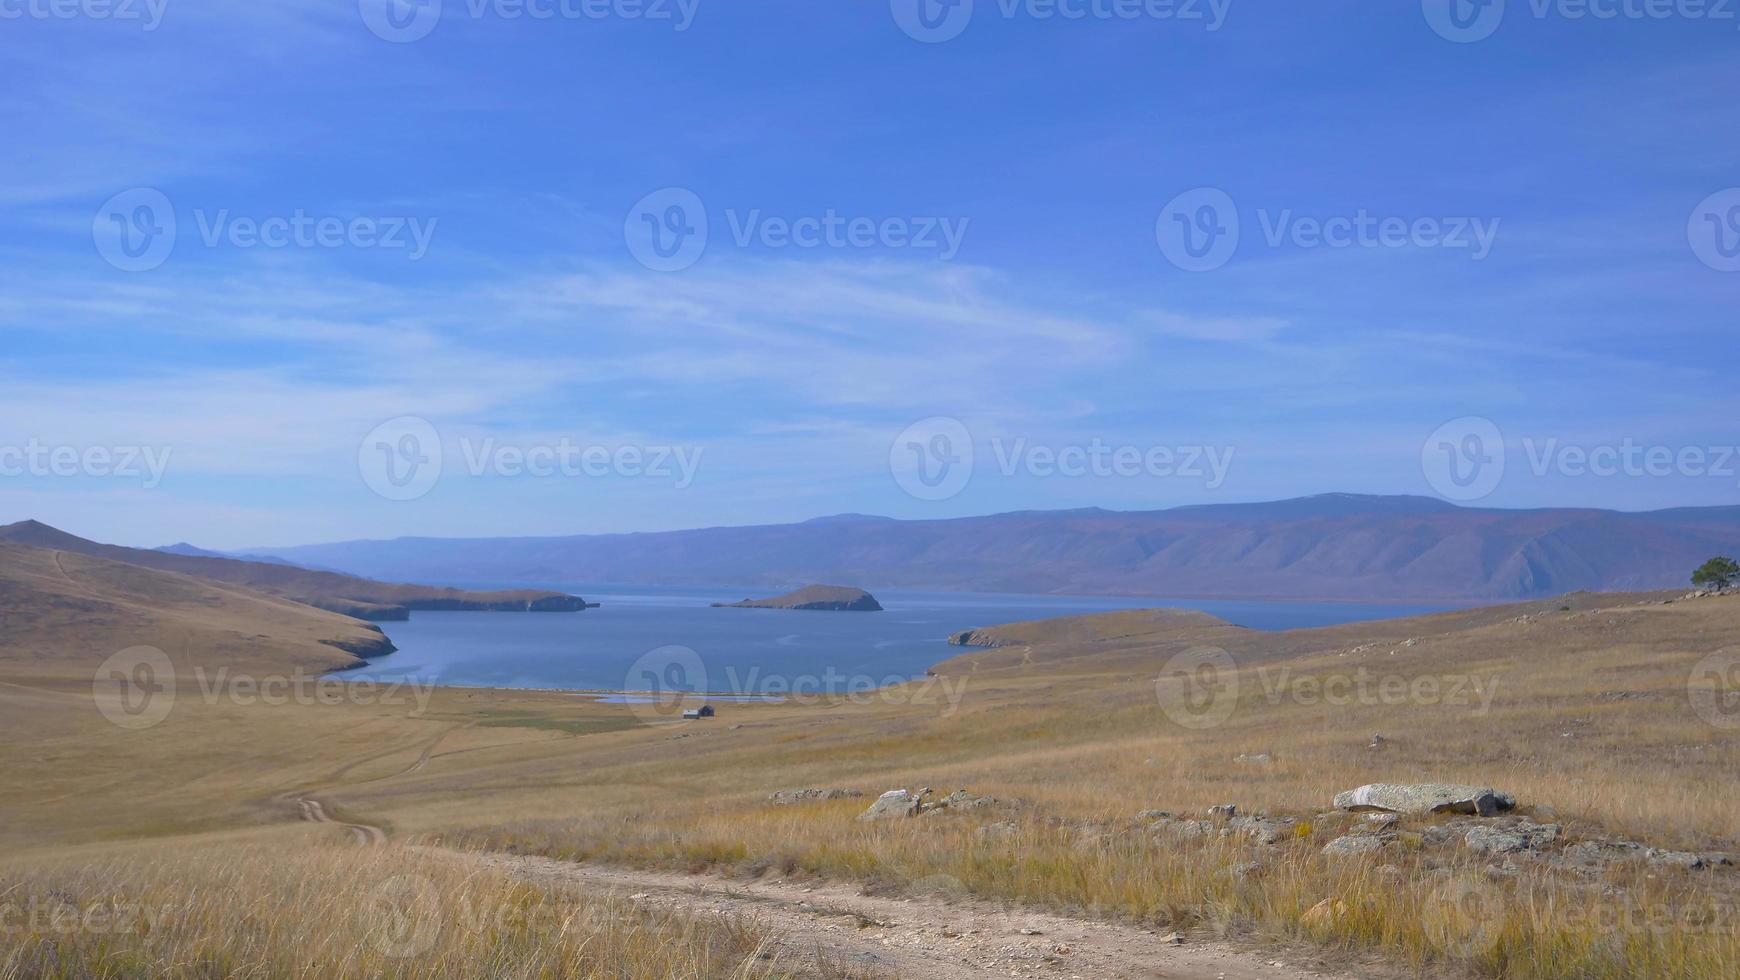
939,934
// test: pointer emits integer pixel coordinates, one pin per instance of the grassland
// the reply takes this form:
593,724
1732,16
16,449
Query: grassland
1581,708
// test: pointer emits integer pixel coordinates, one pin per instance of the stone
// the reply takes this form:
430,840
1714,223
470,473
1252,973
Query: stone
1262,829
786,797
1420,799
1675,859
960,799
1353,845
1491,840
892,804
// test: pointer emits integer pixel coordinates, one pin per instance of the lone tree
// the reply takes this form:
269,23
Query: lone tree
1718,573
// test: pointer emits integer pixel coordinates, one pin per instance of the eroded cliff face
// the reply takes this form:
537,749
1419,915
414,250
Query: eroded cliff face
976,638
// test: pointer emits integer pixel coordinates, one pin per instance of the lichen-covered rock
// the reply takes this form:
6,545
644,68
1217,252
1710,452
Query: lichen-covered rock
1420,799
1263,830
891,805
786,797
1353,845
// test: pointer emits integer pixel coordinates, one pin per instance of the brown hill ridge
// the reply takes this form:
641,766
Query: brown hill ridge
62,613
359,597
825,598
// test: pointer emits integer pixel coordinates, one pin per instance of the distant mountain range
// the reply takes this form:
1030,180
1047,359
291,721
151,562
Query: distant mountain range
1329,547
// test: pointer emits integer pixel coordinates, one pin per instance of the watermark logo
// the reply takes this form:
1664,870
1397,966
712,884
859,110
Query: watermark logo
1464,458
1461,916
666,230
135,688
1198,231
1101,459
1199,688
149,13
401,459
1464,21
932,459
134,231
1364,687
1467,21
400,21
299,229
1714,689
405,916
1714,230
662,682
35,458
404,21
932,21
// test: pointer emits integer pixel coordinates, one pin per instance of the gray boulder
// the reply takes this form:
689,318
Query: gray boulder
1353,845
1420,799
1512,835
890,805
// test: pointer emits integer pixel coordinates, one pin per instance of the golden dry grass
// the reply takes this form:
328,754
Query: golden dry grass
1589,714
293,905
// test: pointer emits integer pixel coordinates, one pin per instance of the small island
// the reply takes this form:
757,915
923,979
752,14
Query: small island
827,598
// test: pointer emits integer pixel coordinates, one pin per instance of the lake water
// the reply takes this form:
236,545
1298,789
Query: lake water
655,638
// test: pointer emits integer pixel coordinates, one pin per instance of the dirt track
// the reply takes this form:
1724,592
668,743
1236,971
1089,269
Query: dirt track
940,934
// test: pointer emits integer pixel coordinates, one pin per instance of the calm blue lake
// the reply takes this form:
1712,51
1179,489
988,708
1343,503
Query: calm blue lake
654,638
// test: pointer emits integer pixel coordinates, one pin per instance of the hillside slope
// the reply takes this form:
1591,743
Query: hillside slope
63,613
1337,546
347,594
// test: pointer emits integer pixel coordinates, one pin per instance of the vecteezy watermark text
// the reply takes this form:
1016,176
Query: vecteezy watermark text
1199,688
300,229
136,230
404,21
1098,458
669,229
36,458
1465,459
1468,21
936,21
149,13
666,681
934,458
404,458
1200,230
138,687
44,915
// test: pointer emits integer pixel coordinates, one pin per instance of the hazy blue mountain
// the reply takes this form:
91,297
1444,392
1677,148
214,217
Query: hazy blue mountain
1335,546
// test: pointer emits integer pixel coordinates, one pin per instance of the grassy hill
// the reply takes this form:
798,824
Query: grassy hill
62,613
347,594
1586,708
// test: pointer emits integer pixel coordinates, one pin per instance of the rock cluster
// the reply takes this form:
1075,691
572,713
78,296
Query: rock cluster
908,803
786,797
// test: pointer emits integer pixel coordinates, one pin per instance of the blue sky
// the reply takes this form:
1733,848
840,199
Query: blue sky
1014,188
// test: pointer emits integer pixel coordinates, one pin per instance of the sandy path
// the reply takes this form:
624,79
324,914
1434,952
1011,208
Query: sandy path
940,937
365,834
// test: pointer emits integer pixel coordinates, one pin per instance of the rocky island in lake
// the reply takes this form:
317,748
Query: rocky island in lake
828,598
